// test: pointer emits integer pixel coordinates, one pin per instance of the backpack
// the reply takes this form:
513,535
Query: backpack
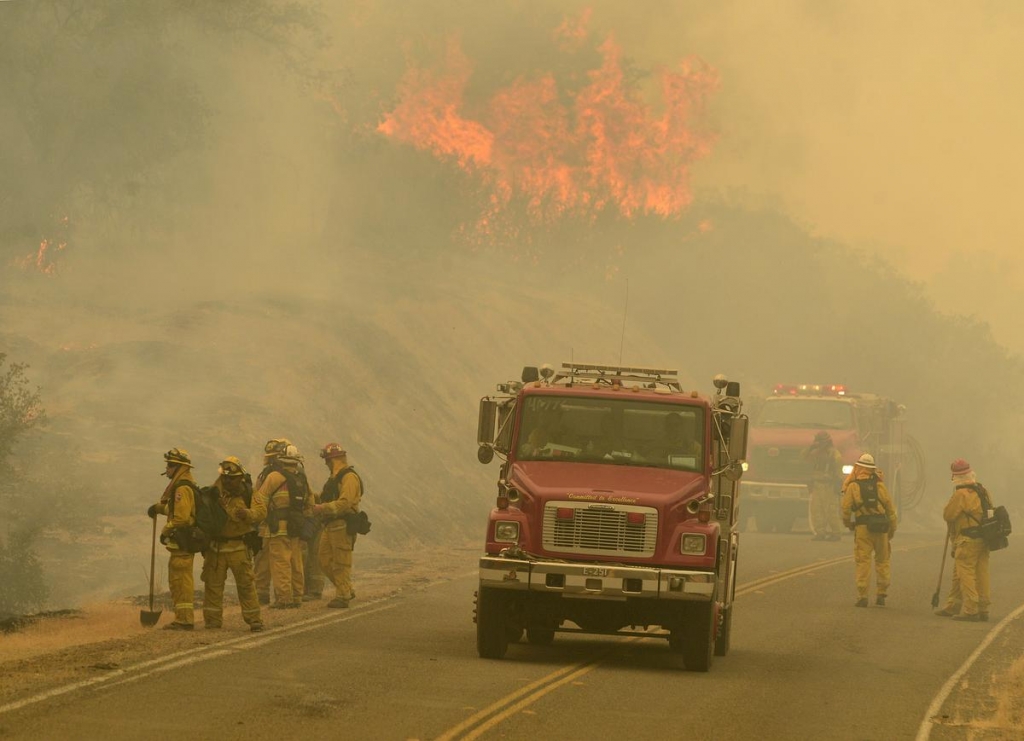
356,523
299,525
211,517
994,529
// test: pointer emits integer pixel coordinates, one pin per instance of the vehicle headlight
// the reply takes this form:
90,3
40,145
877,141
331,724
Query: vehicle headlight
506,531
848,469
693,543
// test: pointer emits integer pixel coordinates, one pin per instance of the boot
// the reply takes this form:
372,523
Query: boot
338,602
179,626
944,612
880,600
862,602
256,628
975,618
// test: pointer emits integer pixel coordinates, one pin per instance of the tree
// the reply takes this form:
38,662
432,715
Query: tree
20,571
20,410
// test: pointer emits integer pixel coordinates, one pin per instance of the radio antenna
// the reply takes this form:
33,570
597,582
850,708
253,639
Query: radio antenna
624,310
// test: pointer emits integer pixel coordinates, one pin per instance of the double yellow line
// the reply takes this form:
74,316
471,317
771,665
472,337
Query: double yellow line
481,722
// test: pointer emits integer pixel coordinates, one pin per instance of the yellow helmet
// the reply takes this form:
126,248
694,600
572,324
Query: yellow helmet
231,466
178,456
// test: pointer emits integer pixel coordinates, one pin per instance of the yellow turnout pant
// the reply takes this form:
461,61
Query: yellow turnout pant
971,563
182,585
286,568
825,509
336,557
864,544
215,574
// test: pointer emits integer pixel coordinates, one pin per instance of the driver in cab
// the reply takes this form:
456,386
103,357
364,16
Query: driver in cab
678,440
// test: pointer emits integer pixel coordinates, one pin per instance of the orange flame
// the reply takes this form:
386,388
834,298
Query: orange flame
561,153
44,259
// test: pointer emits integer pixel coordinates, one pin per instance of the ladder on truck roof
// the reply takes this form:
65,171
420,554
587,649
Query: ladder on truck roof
607,373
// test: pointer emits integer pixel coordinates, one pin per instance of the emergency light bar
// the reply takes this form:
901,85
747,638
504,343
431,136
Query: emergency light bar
809,389
606,373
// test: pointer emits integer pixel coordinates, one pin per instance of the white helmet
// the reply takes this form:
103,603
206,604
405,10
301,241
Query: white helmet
866,461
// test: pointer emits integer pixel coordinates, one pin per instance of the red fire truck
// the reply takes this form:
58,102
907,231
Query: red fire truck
776,489
615,511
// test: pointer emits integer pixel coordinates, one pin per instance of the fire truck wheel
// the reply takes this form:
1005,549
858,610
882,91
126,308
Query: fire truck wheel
698,637
724,633
540,636
491,630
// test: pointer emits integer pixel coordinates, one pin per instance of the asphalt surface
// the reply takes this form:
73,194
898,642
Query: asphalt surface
805,664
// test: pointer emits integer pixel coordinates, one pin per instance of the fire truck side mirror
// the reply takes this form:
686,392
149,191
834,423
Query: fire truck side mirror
485,454
530,374
732,388
738,438
486,422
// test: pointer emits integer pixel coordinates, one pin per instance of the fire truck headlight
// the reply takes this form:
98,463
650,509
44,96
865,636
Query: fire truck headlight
693,543
507,532
848,469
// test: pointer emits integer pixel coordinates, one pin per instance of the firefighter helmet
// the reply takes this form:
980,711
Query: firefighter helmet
276,447
178,457
332,450
822,437
290,454
866,461
231,466
960,467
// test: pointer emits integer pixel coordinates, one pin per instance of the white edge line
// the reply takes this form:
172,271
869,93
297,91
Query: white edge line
926,725
164,663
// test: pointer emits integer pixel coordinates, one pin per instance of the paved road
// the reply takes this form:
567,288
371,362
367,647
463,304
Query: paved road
805,664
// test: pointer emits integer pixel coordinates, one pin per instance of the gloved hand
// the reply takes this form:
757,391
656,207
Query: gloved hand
152,511
892,534
318,509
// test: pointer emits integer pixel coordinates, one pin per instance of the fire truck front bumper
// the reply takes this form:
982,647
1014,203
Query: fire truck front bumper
770,491
596,581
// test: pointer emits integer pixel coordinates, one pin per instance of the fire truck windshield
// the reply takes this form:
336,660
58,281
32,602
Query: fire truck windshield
830,414
616,431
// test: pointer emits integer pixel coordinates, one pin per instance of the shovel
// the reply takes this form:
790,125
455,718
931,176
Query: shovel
938,588
151,617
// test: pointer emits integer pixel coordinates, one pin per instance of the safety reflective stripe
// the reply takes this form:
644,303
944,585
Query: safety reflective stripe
253,611
182,605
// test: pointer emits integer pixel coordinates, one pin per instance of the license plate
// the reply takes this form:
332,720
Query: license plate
594,571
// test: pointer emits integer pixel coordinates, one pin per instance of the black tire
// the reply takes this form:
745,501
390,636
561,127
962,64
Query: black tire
540,636
698,644
722,642
491,630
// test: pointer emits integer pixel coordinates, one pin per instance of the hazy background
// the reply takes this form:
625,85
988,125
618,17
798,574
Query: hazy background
248,254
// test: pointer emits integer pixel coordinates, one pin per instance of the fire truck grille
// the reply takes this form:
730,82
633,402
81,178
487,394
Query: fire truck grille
600,530
778,464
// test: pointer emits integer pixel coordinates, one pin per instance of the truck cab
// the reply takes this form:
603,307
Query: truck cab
615,510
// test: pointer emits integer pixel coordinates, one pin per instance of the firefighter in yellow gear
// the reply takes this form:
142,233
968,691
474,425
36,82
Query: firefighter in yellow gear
340,497
826,472
964,512
229,551
868,510
281,502
179,505
261,562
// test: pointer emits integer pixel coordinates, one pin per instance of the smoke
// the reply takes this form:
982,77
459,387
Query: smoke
267,262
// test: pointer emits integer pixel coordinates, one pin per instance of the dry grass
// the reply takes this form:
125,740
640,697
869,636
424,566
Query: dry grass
96,623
